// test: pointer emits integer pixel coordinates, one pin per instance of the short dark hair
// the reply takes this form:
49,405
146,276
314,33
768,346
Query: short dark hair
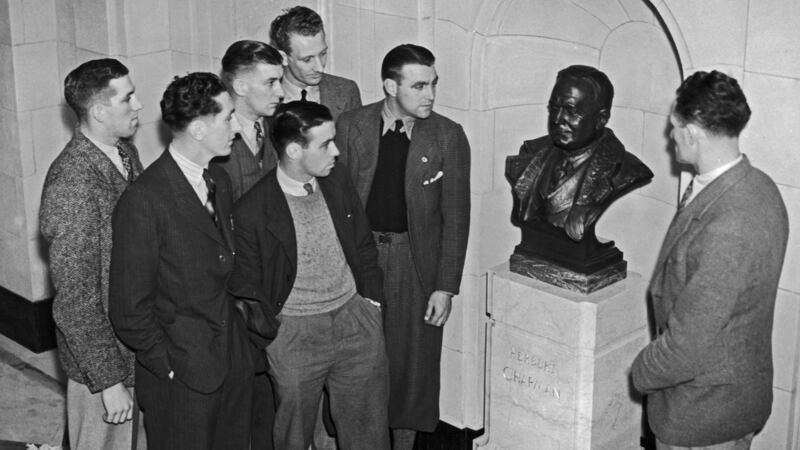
401,55
244,55
292,121
713,101
190,97
602,89
299,20
88,83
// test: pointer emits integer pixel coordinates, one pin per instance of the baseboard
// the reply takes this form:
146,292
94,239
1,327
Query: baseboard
28,323
447,437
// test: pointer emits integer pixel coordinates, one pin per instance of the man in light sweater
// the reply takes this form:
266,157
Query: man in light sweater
306,253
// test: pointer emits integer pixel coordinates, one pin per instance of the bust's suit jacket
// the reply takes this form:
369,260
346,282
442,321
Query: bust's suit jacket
80,192
338,94
242,165
436,187
708,373
169,269
266,258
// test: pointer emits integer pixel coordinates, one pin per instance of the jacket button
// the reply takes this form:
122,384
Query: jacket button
280,304
224,323
222,258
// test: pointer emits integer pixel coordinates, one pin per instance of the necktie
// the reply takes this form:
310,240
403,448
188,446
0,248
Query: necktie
303,94
687,194
127,164
259,141
259,135
211,202
398,126
309,188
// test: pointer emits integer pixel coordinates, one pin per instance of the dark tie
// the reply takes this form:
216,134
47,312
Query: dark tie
399,126
211,203
127,164
309,188
259,141
561,172
687,194
259,135
303,94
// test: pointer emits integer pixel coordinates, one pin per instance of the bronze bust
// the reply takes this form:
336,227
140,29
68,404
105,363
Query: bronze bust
564,181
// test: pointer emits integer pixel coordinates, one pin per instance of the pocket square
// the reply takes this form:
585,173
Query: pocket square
439,174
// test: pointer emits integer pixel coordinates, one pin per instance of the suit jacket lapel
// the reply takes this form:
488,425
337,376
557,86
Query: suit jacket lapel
279,218
418,155
694,210
186,201
103,164
367,144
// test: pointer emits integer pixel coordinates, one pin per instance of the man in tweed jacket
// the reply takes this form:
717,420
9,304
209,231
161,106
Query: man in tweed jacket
80,192
410,167
708,373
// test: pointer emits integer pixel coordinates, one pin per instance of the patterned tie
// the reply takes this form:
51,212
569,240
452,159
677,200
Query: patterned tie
259,141
211,203
127,164
309,188
687,194
303,94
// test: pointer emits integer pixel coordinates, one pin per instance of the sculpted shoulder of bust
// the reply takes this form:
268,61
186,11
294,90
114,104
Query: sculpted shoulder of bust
570,176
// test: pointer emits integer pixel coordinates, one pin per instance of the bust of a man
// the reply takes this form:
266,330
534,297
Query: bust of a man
562,182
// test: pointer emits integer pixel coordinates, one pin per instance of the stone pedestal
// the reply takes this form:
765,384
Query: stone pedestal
558,363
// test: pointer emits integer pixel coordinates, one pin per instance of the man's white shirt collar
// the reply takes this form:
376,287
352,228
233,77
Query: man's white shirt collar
293,187
193,173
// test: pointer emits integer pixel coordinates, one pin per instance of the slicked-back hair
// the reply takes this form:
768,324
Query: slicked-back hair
292,121
88,83
190,97
245,55
393,62
714,101
602,89
299,20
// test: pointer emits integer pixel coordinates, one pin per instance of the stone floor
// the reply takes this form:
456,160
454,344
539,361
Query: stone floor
32,387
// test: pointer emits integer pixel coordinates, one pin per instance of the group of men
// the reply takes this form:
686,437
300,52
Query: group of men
282,216
291,241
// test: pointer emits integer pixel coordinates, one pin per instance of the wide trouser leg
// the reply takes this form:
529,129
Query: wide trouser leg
358,381
87,430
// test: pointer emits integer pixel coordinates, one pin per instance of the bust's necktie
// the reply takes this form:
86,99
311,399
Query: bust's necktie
303,94
309,188
687,194
211,202
127,164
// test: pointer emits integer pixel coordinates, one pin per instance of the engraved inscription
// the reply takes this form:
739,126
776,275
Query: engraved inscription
528,359
529,382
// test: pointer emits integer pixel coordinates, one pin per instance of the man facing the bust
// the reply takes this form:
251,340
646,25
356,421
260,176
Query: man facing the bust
568,177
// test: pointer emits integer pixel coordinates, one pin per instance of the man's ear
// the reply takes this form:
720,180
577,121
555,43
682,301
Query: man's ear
285,57
197,129
694,133
390,86
97,111
294,150
239,87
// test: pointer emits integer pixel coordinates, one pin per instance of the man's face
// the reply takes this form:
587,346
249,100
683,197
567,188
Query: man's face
120,114
684,152
574,119
307,59
319,156
219,128
416,92
261,89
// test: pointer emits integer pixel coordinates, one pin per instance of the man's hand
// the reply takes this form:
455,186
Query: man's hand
438,308
118,403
